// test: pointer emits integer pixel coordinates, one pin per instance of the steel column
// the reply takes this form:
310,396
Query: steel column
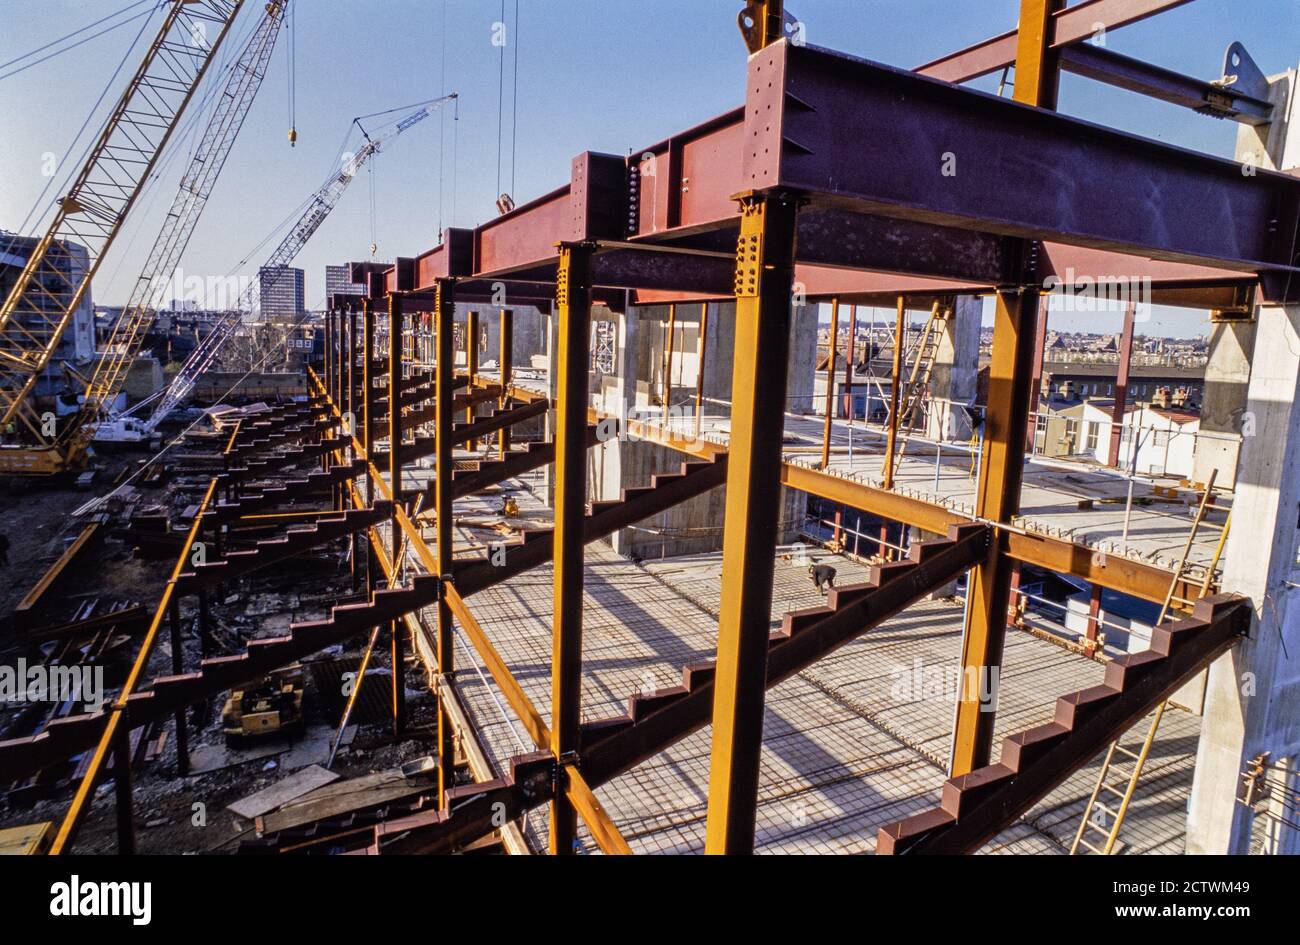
471,365
444,383
122,791
764,281
573,295
1003,450
1036,383
665,398
367,391
830,384
395,485
849,354
178,667
699,372
505,361
896,376
1121,384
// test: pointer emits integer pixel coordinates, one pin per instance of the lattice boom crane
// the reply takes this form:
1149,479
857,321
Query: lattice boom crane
36,313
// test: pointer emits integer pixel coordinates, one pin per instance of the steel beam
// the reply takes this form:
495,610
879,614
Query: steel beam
1221,101
1069,26
573,297
764,281
857,135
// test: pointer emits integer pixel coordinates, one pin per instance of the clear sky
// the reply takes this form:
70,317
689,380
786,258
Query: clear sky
600,75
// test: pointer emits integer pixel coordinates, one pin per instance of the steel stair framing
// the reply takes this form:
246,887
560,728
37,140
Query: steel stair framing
656,720
285,491
66,737
294,541
538,546
977,806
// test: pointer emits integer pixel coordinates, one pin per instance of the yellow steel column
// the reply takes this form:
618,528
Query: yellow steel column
573,309
830,383
367,391
1005,426
471,364
764,282
699,374
398,627
444,376
666,397
896,378
506,364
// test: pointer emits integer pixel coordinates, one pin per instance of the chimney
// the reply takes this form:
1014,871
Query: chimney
1161,397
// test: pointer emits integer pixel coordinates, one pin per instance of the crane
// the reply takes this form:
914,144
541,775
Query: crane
233,102
317,209
88,218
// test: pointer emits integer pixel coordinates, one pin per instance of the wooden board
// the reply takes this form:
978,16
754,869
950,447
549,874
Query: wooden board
282,791
341,797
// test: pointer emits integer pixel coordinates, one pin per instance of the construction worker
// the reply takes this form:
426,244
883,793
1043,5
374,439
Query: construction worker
823,576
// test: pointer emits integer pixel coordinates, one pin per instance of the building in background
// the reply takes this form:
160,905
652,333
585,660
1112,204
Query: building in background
77,345
281,289
337,283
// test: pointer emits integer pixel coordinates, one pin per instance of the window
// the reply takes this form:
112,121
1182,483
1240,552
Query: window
1041,423
1160,438
1090,441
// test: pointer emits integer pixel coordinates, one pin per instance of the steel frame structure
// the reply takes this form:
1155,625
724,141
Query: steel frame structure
776,197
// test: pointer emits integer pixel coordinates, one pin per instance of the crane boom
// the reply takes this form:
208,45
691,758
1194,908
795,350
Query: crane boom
88,218
318,208
232,103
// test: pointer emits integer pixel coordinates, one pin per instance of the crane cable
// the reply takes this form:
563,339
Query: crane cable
501,86
290,29
514,105
68,36
37,212
442,117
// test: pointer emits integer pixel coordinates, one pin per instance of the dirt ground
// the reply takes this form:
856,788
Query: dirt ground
173,814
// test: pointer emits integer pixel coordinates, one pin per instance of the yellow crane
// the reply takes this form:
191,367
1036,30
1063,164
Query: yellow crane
88,218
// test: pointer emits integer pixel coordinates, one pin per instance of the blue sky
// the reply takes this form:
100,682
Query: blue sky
601,75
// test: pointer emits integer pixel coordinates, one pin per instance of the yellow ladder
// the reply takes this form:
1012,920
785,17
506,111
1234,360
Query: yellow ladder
917,388
1097,810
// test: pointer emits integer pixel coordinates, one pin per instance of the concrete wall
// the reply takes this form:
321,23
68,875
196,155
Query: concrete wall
956,371
634,389
1252,700
1227,376
528,335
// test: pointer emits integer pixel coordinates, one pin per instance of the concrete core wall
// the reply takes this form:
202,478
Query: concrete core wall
635,389
956,371
1227,377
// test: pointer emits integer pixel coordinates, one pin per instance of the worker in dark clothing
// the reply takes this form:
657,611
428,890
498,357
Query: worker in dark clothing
823,575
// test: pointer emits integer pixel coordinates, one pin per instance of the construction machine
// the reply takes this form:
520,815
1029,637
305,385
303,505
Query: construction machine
88,218
317,210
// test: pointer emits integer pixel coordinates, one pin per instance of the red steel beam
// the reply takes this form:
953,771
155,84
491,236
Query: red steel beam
1069,26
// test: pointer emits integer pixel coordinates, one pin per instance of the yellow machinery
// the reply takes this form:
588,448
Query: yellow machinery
271,706
27,839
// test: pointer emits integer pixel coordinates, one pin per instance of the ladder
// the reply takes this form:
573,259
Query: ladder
916,391
1097,811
